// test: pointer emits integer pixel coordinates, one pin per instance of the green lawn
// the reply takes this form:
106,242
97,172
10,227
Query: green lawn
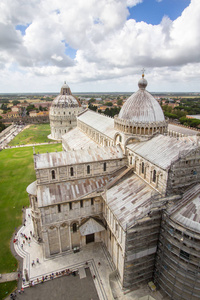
33,134
6,288
17,172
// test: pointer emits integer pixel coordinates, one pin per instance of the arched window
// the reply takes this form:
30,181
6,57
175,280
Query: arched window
104,167
53,175
88,169
70,122
154,175
74,227
120,139
142,167
131,160
71,171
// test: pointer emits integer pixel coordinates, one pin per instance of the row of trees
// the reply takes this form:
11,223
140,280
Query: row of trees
111,112
2,126
186,107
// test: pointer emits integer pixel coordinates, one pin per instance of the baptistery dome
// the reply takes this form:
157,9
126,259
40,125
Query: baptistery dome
65,98
141,114
63,112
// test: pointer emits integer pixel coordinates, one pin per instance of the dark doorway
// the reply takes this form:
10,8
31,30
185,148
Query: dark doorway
89,238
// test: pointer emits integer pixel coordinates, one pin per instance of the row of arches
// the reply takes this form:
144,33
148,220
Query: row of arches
140,129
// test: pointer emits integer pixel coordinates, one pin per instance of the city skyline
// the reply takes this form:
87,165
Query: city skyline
99,46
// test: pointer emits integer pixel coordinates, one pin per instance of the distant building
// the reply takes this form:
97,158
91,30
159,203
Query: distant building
193,117
11,114
43,113
15,109
33,113
127,184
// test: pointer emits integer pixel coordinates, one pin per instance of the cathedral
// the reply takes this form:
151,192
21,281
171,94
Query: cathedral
126,183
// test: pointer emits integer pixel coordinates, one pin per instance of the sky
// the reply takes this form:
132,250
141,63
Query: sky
99,45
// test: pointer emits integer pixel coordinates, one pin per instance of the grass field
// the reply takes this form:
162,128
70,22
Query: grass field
6,288
33,134
17,172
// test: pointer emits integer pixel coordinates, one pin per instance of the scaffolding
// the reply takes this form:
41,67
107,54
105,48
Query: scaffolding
177,268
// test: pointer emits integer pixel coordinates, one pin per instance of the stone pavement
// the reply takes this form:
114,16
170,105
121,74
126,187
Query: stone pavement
93,256
65,287
8,277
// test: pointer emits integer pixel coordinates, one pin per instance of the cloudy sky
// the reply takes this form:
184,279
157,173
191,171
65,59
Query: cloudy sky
99,45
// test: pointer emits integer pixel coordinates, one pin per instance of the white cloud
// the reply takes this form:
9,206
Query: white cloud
109,47
131,3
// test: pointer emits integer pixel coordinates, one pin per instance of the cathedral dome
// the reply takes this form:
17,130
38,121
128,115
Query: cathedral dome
142,106
65,99
141,114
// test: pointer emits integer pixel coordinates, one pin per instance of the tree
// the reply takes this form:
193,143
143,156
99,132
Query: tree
92,100
92,107
108,104
2,126
15,102
119,101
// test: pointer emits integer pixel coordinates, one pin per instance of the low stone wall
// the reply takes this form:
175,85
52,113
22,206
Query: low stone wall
28,120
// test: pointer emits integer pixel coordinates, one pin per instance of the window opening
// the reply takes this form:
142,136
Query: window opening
71,171
142,167
154,175
74,227
53,175
88,169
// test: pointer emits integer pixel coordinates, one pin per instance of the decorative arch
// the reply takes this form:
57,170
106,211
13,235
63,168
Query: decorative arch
117,134
131,140
74,226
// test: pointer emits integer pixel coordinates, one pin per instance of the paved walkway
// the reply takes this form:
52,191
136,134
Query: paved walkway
31,145
8,277
93,256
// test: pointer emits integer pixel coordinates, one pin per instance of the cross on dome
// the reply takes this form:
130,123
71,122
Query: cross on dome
143,70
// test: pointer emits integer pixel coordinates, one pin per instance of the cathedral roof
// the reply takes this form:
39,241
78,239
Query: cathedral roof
52,194
164,150
142,106
187,211
129,200
65,98
56,159
101,123
76,139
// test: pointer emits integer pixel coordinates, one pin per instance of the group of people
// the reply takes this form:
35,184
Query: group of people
52,276
14,294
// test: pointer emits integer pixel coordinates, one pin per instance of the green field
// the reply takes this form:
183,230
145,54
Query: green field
33,134
6,288
17,172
